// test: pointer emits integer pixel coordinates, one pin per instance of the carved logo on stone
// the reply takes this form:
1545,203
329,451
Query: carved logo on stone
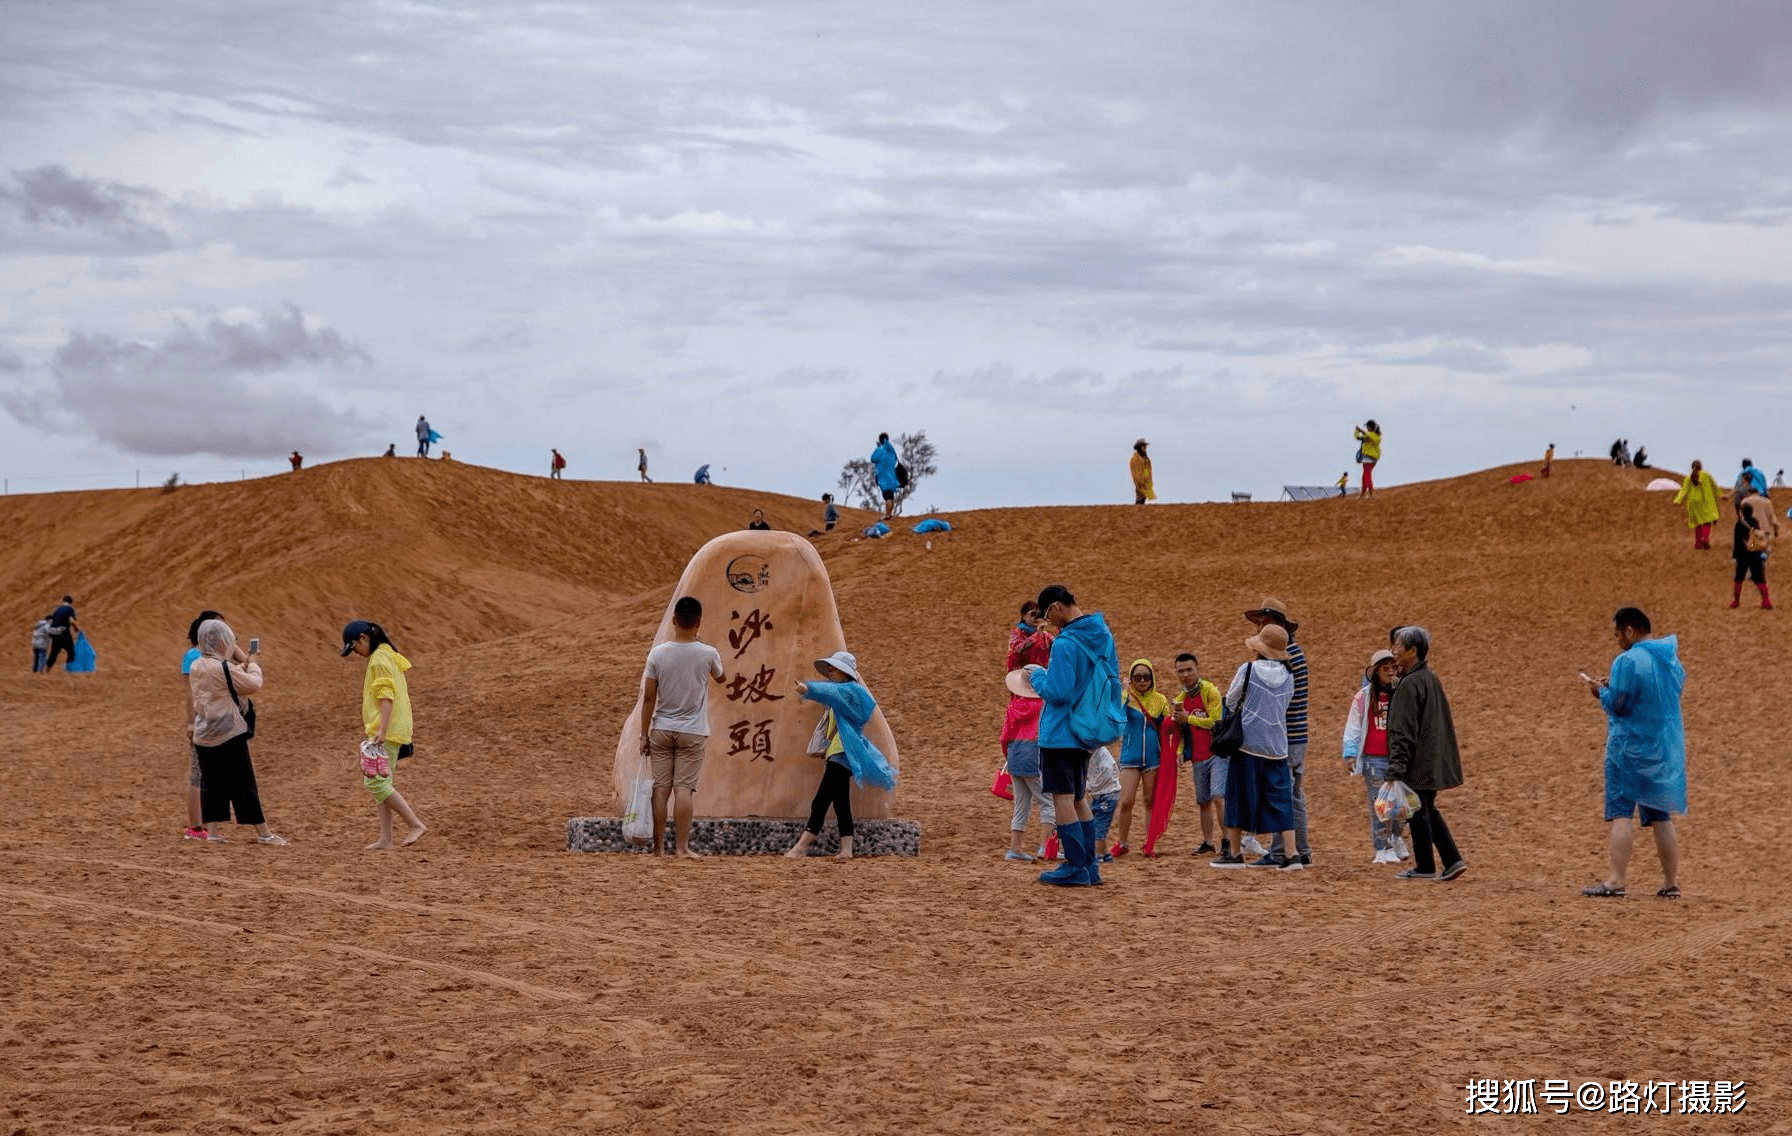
749,574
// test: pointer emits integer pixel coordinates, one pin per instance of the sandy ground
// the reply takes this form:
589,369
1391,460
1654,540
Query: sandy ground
487,981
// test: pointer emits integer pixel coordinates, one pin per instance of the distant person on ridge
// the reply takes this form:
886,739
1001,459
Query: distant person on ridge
701,477
1750,480
1779,480
391,450
1750,543
830,516
423,436
1143,489
1549,459
1368,451
758,523
298,461
555,464
1344,483
1641,461
63,629
1422,753
641,464
1645,749
1699,492
885,462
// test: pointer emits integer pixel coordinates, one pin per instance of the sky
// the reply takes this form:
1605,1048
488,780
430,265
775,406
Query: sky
755,236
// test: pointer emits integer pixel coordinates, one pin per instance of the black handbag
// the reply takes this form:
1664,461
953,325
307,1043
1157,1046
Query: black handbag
1228,736
245,706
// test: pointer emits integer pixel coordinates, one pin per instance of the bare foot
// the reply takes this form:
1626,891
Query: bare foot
380,844
687,854
800,852
843,857
414,835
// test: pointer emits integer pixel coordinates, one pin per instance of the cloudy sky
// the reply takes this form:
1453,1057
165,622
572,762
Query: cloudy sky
755,236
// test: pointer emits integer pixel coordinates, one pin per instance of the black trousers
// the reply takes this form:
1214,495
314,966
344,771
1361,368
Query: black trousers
835,790
229,782
1427,828
60,644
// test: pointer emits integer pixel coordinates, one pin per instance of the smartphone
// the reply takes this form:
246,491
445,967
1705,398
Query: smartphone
255,648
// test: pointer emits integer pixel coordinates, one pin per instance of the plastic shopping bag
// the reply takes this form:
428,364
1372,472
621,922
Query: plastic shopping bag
637,818
1003,785
1395,801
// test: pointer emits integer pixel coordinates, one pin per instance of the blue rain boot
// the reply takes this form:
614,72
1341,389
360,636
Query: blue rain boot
1093,868
1073,871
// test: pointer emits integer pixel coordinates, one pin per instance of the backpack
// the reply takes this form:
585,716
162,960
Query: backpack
1099,716
902,475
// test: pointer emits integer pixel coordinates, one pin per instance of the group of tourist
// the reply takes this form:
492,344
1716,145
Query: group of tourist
220,677
1068,709
1368,453
1755,529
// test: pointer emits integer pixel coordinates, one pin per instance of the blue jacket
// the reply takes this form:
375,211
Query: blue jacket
853,706
1645,746
1756,478
1074,666
884,461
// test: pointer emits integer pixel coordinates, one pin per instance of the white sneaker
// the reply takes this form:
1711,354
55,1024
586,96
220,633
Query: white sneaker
1387,856
1402,850
1252,847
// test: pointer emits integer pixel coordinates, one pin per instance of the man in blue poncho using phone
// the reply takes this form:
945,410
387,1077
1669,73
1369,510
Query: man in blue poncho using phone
1645,749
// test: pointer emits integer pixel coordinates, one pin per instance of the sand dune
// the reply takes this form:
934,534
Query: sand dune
152,985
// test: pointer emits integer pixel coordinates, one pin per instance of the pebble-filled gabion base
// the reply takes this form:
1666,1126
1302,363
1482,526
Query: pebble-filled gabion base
752,836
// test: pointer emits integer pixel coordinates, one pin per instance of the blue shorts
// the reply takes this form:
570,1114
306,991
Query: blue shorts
1210,778
1064,771
1135,761
1023,758
1102,805
1621,809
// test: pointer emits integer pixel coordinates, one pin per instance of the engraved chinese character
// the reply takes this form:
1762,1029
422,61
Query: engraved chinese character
754,737
755,689
752,627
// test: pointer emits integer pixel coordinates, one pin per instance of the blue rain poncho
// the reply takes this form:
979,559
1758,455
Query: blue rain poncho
933,525
83,660
1645,745
853,706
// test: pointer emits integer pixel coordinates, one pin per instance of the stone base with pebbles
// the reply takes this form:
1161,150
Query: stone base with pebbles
752,836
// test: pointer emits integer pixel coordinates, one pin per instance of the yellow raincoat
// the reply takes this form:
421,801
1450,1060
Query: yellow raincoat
1141,476
1699,491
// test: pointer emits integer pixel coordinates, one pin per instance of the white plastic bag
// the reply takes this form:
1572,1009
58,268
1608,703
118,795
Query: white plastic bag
637,818
1395,801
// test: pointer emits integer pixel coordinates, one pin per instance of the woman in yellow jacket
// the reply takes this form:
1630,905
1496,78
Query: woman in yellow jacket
1368,451
386,717
1142,490
1699,491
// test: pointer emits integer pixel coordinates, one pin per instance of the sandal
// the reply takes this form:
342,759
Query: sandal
272,838
1603,891
1669,893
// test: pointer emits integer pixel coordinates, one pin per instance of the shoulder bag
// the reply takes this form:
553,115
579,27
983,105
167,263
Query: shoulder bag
245,706
1228,735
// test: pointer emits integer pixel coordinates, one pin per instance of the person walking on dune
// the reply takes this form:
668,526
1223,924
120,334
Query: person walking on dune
1645,749
556,463
675,721
1700,495
1368,451
424,436
1142,488
1748,482
1751,542
1422,753
1549,459
386,720
1080,688
887,466
641,464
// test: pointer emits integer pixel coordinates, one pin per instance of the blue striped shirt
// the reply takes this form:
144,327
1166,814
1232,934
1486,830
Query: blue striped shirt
1297,707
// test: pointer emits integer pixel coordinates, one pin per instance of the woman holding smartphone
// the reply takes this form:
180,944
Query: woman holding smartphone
220,682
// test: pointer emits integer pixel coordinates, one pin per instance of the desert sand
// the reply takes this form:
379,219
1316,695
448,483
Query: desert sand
486,980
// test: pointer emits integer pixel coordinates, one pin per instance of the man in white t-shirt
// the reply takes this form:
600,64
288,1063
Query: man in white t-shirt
675,720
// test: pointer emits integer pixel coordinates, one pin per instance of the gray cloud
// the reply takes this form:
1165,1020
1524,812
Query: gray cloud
222,387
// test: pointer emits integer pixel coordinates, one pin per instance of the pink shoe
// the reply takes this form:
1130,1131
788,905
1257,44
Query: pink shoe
196,834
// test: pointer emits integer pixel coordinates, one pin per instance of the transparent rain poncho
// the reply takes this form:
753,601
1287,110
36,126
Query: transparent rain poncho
1645,748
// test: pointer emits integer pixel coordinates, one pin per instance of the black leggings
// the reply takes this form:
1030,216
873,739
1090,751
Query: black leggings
835,790
66,643
228,780
1427,828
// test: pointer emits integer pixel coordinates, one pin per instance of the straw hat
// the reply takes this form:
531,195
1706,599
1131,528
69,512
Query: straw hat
1020,682
842,661
1275,607
1271,642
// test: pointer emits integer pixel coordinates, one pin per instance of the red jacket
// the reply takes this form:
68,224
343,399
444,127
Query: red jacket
1021,723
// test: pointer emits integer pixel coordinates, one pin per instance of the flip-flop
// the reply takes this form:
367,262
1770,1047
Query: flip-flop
1669,893
1603,891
